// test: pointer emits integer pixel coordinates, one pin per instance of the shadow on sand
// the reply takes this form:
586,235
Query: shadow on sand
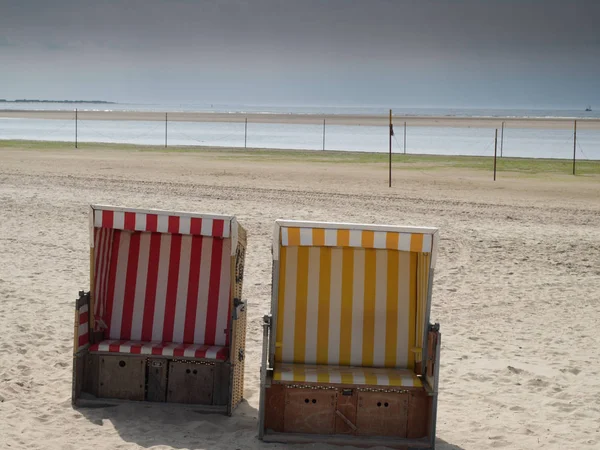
177,426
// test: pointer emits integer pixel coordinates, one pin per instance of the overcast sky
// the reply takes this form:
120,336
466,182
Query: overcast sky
430,53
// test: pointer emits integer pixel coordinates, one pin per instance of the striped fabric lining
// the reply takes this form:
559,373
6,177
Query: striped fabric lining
162,223
162,287
407,242
300,373
162,349
83,336
346,306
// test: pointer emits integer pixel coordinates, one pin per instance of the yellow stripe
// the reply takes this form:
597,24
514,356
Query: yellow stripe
343,238
391,319
323,374
416,243
301,305
391,241
346,315
412,318
369,307
347,377
370,378
368,239
293,237
299,373
318,235
281,301
324,306
395,379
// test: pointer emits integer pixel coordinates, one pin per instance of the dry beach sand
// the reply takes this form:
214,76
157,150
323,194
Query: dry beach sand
517,290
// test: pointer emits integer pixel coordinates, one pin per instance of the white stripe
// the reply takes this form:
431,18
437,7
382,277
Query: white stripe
358,376
140,222
305,236
211,353
335,306
335,377
380,239
289,311
203,283
226,228
312,305
119,298
139,299
356,238
404,242
168,350
161,287
184,225
287,375
83,329
403,309
97,218
310,376
147,347
381,311
125,348
207,226
190,352
284,237
407,381
119,220
224,294
331,238
182,288
426,243
162,224
358,307
383,379
83,309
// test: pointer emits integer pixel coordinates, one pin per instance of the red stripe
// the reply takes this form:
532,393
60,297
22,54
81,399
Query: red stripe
83,339
151,283
129,222
151,222
213,291
115,347
218,226
157,350
83,318
196,226
136,349
172,288
179,351
201,352
223,353
130,282
173,224
192,293
112,273
107,219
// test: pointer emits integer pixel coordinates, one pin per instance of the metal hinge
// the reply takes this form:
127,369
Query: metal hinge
241,354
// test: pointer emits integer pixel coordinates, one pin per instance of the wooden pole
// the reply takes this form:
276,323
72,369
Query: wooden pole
390,158
75,127
495,152
323,134
502,140
405,138
574,145
166,121
246,133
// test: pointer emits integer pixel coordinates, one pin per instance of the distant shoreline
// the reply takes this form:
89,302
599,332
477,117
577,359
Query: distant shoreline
25,100
310,119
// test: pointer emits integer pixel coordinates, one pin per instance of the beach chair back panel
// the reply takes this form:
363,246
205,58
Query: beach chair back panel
162,286
351,297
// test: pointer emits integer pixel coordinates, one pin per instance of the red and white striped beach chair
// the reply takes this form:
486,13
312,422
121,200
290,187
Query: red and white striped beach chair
163,320
349,355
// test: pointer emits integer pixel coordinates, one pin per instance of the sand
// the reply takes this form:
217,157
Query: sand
517,290
314,119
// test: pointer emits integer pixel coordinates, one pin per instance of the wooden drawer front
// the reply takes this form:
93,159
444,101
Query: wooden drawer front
382,414
309,411
122,377
190,383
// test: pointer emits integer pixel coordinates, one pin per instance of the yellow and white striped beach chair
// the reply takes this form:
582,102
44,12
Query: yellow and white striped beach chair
349,356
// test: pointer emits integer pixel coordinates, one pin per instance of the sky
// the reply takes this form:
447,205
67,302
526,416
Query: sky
411,53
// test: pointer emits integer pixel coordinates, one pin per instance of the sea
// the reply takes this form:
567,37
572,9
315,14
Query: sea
514,142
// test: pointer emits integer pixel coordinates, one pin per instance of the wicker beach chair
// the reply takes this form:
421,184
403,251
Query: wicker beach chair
163,320
349,356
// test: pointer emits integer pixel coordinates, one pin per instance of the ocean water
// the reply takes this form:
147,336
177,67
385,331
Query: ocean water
518,142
